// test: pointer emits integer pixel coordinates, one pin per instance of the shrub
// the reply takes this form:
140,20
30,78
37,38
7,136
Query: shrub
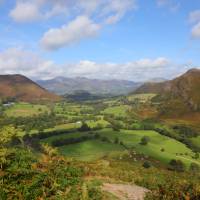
116,140
176,165
84,127
146,164
144,140
194,167
162,150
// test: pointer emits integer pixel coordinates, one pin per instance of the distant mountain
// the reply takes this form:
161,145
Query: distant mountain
178,96
23,89
83,96
157,80
62,85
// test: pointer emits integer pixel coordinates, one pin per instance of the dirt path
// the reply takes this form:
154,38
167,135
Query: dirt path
125,192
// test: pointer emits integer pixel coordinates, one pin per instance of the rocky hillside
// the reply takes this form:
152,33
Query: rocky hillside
179,95
152,87
187,87
23,89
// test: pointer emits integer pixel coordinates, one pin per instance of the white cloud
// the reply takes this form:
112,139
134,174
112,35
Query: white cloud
89,16
115,10
139,70
162,2
25,12
82,27
196,31
19,61
32,10
194,16
173,5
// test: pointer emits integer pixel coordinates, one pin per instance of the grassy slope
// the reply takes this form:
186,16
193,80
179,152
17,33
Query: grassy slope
130,138
142,97
117,110
97,149
90,150
24,89
153,149
26,109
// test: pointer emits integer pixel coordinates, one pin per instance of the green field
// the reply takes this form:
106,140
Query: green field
96,149
25,109
160,147
90,150
101,122
117,110
172,148
141,97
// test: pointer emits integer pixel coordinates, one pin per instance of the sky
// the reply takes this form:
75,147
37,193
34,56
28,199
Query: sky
105,39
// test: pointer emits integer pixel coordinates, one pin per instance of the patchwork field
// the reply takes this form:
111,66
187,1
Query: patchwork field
159,147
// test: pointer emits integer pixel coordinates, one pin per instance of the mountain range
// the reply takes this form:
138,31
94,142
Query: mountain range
63,85
23,89
179,95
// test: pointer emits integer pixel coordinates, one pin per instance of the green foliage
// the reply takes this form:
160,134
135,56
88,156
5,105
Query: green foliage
176,165
45,174
84,127
49,177
6,135
144,140
175,189
146,164
194,168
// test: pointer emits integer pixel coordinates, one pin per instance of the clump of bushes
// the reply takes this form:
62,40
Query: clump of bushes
84,127
144,140
176,165
146,164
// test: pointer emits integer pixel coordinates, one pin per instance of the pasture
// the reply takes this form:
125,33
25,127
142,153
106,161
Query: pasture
90,150
25,110
117,110
159,147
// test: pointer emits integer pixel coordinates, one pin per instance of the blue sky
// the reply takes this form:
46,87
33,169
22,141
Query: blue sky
107,39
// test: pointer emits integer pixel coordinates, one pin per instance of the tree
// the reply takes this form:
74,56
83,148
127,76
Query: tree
146,164
84,127
176,165
162,150
144,140
194,167
116,140
116,127
196,155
